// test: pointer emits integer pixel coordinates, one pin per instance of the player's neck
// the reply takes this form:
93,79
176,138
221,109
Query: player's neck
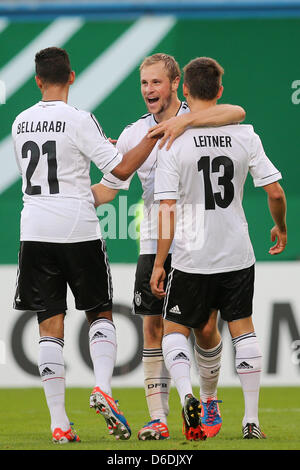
55,93
171,111
200,105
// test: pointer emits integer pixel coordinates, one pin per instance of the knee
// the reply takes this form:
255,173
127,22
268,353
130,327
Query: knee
208,333
209,330
93,316
53,326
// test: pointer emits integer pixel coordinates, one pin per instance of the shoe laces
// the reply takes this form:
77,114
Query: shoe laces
212,409
154,421
118,407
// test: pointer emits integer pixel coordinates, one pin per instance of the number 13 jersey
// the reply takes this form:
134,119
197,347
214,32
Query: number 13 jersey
54,146
205,171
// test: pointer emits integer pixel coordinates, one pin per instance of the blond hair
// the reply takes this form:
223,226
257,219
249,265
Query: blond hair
171,66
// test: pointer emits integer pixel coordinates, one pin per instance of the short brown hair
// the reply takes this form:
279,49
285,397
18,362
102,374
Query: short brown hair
53,65
203,77
171,66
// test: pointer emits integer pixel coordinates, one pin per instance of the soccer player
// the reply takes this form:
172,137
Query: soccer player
61,243
160,77
199,181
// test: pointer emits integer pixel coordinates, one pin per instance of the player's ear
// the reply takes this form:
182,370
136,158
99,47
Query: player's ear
220,92
38,81
185,90
72,77
175,84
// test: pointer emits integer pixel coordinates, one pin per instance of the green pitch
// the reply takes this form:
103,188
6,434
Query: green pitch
25,421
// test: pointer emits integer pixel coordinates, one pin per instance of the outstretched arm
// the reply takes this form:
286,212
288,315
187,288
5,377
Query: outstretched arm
218,115
134,158
277,207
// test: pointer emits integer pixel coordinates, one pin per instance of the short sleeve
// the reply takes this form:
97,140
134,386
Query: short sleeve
93,143
111,181
261,168
166,176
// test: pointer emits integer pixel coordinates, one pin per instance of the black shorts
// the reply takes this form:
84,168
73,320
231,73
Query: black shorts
45,270
190,298
144,302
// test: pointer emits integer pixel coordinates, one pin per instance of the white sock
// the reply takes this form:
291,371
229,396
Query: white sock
209,363
157,383
52,372
248,363
103,350
177,359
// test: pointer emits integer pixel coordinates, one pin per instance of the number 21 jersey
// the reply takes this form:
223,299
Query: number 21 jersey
54,146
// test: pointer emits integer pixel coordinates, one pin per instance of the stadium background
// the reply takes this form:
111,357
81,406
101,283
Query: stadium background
256,43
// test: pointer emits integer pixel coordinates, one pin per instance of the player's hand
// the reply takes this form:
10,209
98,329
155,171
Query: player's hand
113,141
281,241
157,282
169,130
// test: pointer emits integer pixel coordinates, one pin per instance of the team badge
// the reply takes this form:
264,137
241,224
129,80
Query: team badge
138,298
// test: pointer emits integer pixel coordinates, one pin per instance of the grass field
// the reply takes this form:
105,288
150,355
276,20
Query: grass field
25,421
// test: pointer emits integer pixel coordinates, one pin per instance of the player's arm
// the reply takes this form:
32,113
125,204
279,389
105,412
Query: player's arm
92,142
218,115
134,158
266,175
102,194
109,186
166,190
277,207
166,230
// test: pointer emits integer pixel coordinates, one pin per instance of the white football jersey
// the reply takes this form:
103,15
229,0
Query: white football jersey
205,171
54,146
128,139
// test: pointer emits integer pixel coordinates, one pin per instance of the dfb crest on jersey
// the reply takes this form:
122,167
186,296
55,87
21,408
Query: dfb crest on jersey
138,298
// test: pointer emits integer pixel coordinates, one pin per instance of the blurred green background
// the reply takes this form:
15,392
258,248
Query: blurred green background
261,62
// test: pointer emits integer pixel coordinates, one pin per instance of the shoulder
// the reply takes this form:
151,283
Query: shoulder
241,132
140,126
145,116
184,108
79,114
142,121
86,118
248,132
25,115
246,127
26,112
243,128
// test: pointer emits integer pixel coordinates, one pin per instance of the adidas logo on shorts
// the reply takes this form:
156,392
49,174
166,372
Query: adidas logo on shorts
175,310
